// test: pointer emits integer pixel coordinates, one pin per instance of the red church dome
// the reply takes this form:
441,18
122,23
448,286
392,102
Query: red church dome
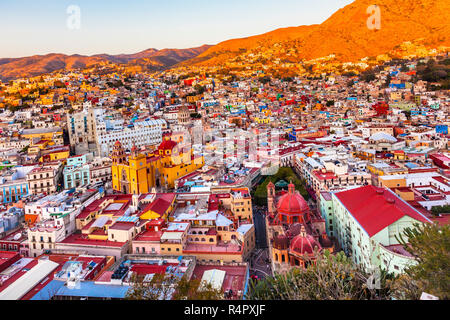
167,145
292,202
281,242
304,244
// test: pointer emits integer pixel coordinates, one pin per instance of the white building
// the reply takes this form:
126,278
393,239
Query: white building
142,133
367,221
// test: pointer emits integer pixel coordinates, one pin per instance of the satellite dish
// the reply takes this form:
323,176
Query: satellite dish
17,237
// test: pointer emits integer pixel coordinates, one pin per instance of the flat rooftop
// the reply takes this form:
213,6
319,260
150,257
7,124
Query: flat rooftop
235,276
211,248
79,239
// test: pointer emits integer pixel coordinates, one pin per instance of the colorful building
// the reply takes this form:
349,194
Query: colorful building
138,173
76,172
295,233
367,222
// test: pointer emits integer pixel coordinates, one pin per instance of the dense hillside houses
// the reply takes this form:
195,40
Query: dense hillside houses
219,177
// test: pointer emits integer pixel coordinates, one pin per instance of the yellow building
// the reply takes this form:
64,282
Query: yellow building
139,173
55,154
44,134
262,120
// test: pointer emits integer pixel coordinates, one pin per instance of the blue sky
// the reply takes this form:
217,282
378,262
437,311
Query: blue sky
128,26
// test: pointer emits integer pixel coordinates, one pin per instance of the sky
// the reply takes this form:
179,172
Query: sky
30,27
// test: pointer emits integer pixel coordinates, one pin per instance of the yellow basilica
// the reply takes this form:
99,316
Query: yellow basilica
138,173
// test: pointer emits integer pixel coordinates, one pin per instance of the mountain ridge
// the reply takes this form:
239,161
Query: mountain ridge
345,33
13,68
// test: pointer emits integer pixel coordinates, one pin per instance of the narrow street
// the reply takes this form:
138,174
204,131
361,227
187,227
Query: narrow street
259,260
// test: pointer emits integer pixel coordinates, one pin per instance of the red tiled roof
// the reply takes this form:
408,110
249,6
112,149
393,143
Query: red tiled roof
18,274
374,210
82,240
235,276
442,220
141,268
122,226
149,235
161,203
167,145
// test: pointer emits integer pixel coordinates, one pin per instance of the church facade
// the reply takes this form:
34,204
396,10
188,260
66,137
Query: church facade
138,173
296,234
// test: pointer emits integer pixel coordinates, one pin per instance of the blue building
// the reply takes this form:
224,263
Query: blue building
76,172
14,185
418,112
442,128
397,85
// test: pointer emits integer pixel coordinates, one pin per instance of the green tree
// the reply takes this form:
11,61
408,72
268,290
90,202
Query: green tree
368,76
200,89
429,244
170,287
440,209
404,68
196,115
284,173
332,277
264,79
388,81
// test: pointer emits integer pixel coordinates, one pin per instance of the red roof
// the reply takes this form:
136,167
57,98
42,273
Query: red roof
141,268
161,204
304,244
235,276
122,226
149,235
78,239
167,145
376,208
292,202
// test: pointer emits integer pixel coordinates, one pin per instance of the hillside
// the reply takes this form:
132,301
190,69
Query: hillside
152,59
345,33
343,37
